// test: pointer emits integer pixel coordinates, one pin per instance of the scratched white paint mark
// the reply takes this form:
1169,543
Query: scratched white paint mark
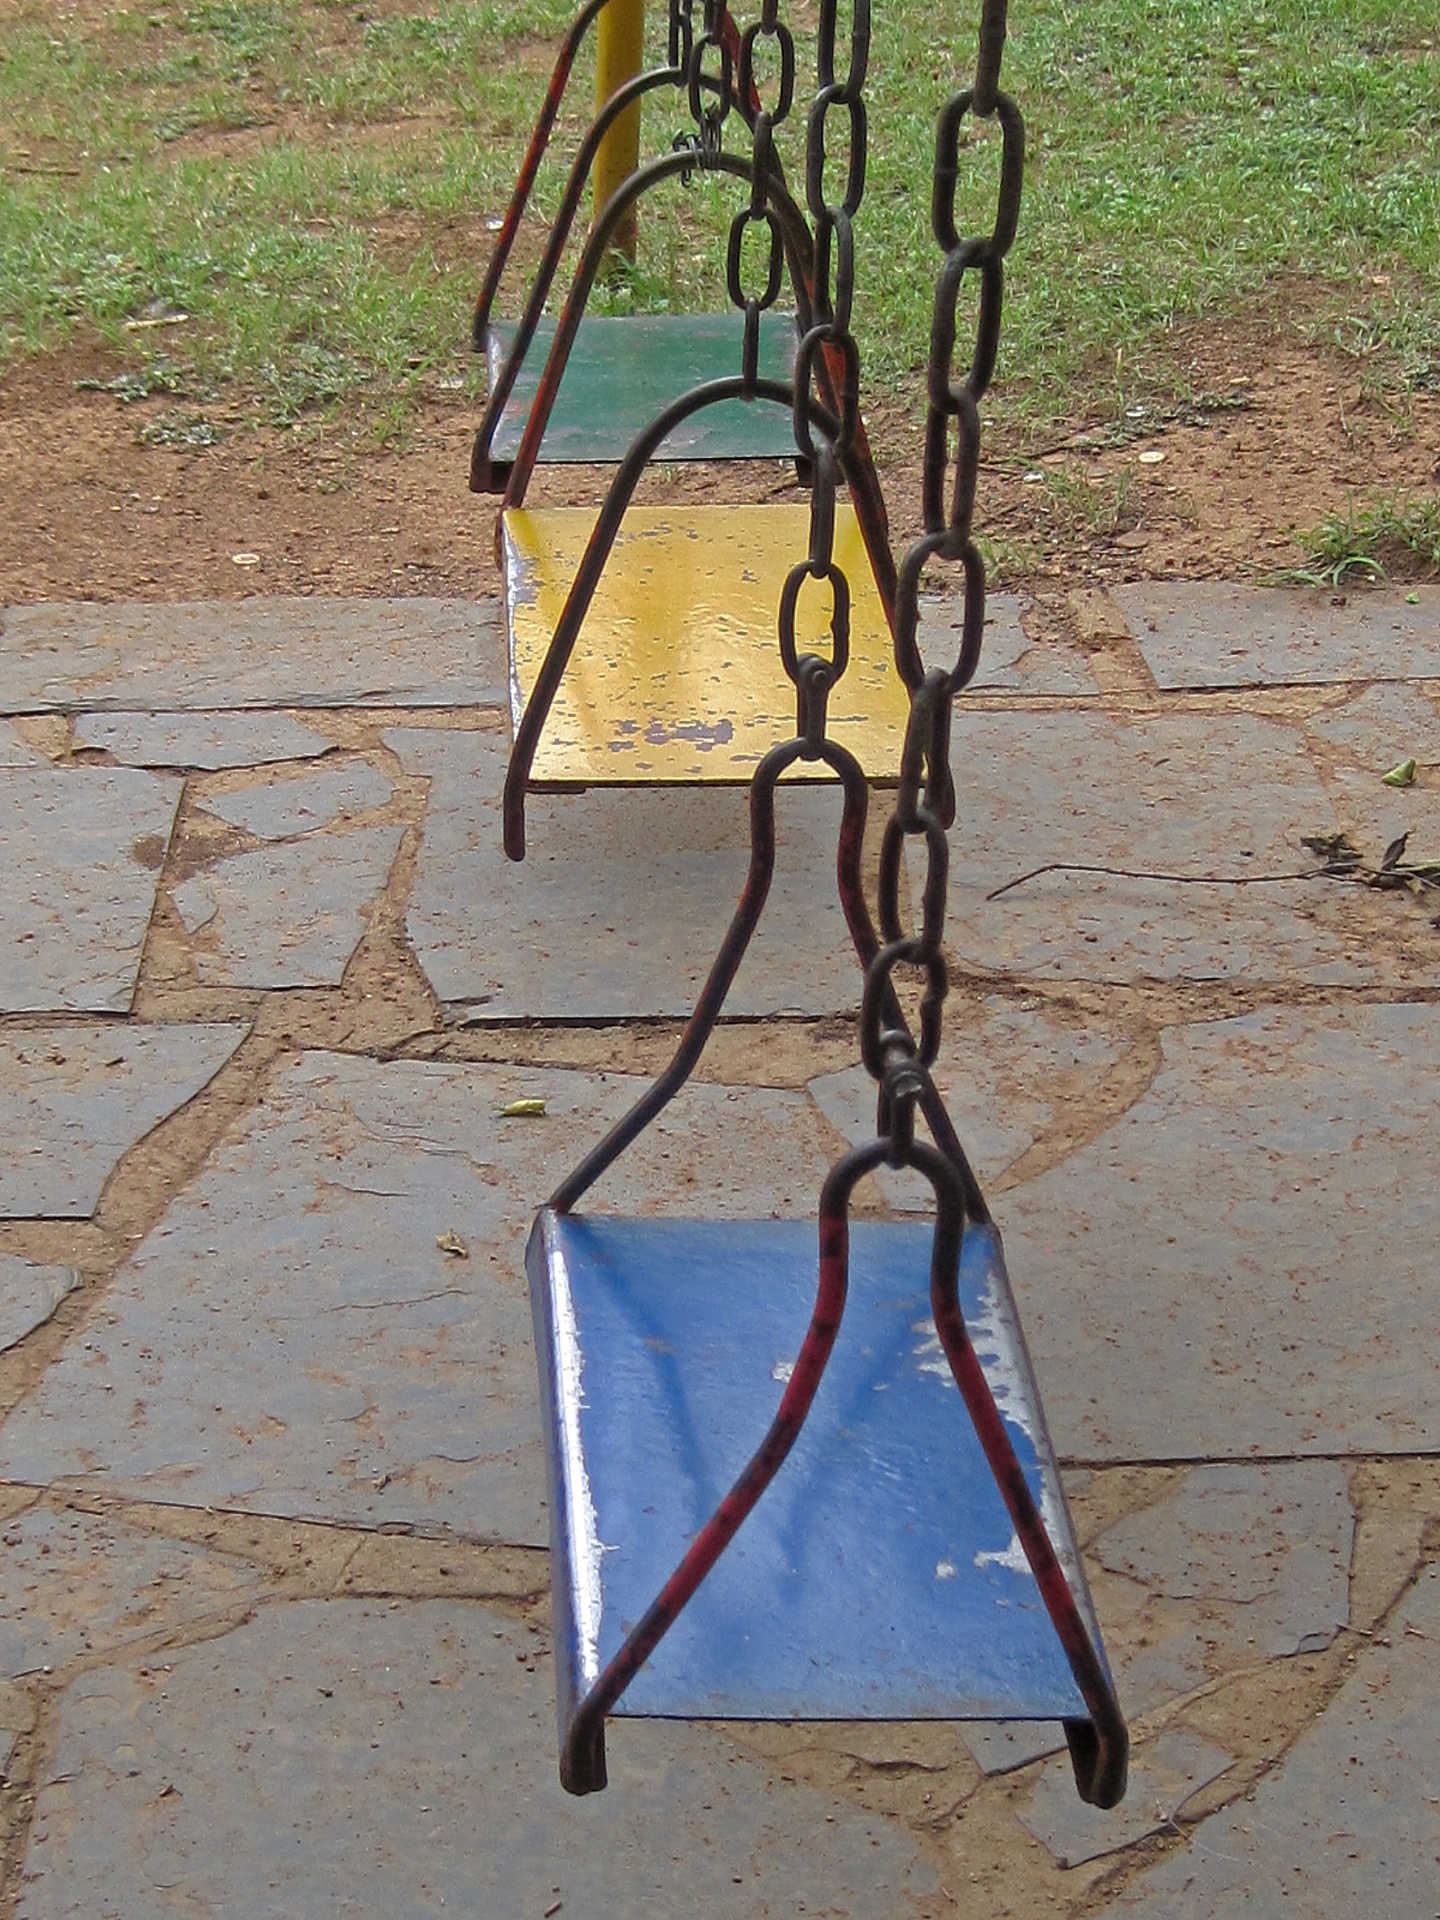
993,1336
1013,1557
521,590
782,1370
586,1547
944,1569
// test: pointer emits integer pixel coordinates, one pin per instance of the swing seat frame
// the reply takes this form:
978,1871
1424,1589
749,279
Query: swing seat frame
880,1578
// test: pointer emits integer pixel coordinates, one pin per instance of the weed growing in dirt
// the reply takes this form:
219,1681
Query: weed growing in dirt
1078,505
317,186
180,429
1389,538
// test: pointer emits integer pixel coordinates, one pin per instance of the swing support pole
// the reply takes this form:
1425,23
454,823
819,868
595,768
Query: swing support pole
619,49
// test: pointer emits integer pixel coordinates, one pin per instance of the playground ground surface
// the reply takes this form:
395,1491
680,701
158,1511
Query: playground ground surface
274,1630
276,1633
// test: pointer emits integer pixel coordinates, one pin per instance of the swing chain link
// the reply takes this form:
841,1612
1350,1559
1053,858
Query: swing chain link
827,342
769,27
948,530
709,118
680,34
763,171
924,802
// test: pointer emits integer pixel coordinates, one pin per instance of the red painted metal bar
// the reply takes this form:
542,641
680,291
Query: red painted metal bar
582,1759
482,475
530,166
582,1762
1099,1771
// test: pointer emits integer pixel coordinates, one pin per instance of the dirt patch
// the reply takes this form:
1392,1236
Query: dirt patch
1282,438
1285,433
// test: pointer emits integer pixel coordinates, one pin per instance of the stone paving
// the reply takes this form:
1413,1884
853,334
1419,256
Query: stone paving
274,1631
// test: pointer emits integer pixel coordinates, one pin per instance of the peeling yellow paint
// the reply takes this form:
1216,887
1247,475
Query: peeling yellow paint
676,676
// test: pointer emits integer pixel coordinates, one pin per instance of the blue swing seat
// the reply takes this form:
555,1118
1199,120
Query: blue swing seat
879,1576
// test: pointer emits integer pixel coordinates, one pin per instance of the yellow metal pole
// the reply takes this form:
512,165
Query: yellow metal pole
619,50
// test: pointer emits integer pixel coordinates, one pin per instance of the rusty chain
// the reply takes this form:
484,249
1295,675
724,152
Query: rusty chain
680,33
924,801
827,344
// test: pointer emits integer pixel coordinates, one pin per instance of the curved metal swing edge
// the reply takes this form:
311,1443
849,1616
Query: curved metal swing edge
530,165
488,475
485,473
623,97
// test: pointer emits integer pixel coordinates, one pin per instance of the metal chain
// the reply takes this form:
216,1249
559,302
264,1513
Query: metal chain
765,95
924,801
717,77
680,37
828,345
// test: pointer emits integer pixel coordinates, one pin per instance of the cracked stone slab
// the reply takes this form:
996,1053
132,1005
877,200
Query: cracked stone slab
1348,1823
291,1339
1198,633
1128,849
1015,1068
277,809
1377,730
16,751
1163,1776
342,1758
82,848
81,1583
1010,661
289,915
623,897
1203,1280
1235,1564
1382,726
1000,1746
29,1294
203,742
208,655
73,1100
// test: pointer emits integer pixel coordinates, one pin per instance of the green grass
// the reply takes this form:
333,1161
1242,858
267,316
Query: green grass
1184,157
329,257
312,184
1388,538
